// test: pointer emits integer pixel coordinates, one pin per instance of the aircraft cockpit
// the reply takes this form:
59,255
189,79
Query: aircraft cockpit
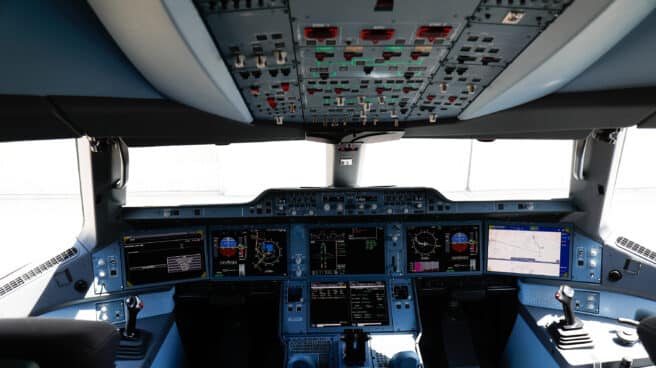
315,184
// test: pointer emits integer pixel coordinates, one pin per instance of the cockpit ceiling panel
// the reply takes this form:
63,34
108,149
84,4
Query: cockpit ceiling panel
344,62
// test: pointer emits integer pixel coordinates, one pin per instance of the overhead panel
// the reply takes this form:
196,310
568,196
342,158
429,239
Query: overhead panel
258,47
344,62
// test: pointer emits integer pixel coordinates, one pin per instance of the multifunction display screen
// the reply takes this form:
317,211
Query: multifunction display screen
347,251
337,304
529,250
443,248
164,257
249,252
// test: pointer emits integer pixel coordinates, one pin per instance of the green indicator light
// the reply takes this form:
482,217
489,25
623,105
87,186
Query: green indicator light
394,48
325,48
315,75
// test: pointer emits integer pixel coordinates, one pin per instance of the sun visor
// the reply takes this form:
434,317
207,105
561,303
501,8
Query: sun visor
169,44
575,40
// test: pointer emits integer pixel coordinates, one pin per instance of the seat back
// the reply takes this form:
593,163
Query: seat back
52,342
647,334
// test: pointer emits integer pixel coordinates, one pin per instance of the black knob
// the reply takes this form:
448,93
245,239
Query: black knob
614,275
81,286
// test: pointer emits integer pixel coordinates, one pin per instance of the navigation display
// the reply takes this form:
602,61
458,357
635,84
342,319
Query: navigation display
163,257
249,252
447,248
347,251
529,250
348,304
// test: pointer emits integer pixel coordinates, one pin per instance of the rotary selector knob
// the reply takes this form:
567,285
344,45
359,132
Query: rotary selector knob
614,275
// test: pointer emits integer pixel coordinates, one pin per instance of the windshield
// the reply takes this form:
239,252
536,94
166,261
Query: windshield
465,169
40,200
461,169
634,198
235,173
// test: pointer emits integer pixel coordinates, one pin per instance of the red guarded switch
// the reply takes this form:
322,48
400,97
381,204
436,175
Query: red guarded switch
350,55
255,90
452,99
272,102
407,89
320,33
432,33
284,86
376,35
338,91
430,98
417,54
312,91
380,90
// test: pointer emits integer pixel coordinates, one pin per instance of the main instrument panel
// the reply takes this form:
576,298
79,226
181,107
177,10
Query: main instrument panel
332,235
345,259
365,62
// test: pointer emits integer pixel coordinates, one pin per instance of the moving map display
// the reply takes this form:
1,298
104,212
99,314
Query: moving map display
529,249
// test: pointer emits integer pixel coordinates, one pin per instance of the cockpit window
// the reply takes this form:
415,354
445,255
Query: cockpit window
235,173
40,201
472,170
634,198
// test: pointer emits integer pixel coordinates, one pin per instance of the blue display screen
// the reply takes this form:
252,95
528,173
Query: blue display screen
529,249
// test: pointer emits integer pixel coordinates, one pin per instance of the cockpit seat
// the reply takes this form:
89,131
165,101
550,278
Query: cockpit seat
51,342
647,333
405,359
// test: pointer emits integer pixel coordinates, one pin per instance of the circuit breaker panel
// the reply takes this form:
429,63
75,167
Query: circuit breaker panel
344,62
